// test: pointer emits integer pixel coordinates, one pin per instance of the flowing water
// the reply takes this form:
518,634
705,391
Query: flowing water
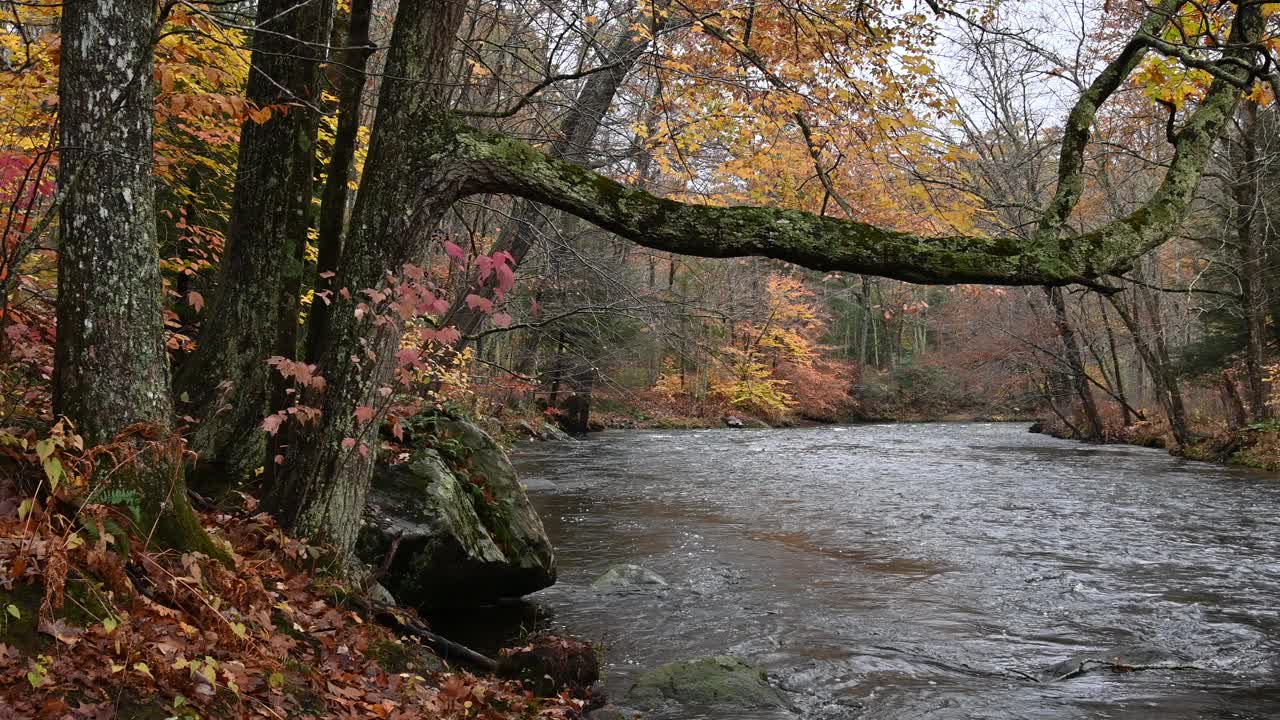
921,571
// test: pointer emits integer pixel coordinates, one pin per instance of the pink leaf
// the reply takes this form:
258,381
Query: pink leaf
506,277
454,251
502,320
348,443
364,414
484,305
485,264
448,336
271,423
406,356
195,300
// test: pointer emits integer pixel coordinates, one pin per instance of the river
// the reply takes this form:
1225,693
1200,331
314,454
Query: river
921,570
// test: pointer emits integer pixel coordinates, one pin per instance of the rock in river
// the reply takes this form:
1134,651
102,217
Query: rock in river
626,575
466,530
722,680
1128,658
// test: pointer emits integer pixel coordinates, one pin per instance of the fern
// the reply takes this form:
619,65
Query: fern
124,498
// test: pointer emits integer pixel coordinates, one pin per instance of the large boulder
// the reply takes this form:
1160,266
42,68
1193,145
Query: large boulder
722,680
463,528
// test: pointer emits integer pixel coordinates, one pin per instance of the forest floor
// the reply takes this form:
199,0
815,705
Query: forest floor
1255,446
93,626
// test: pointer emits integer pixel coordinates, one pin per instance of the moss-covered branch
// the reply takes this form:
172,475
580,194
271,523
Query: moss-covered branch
500,164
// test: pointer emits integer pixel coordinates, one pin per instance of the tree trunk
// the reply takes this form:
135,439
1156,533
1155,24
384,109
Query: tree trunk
406,188
1071,350
111,368
1166,384
1236,417
253,314
333,204
1245,190
1115,364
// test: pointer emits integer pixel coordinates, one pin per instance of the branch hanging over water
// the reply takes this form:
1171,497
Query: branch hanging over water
499,164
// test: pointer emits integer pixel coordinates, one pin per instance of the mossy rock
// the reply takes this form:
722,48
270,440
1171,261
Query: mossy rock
464,529
723,680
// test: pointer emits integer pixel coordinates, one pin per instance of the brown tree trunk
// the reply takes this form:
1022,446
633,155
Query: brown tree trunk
253,315
1166,384
1236,416
1115,365
111,368
1071,351
1245,190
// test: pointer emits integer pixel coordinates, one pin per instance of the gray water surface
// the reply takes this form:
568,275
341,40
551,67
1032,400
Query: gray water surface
921,571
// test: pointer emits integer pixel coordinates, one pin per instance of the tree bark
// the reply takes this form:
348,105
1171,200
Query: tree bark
407,186
111,367
254,312
1245,192
1071,350
333,205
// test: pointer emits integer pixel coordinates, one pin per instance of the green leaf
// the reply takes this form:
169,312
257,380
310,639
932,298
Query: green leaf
25,508
53,470
14,611
110,624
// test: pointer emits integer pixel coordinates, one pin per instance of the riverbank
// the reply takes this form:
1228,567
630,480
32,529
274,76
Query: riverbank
1254,446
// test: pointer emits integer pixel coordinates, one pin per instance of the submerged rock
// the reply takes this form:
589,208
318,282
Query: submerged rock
627,575
734,421
1129,658
465,529
722,680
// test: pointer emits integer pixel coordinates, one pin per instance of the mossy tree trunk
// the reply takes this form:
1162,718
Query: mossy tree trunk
408,183
254,312
112,370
